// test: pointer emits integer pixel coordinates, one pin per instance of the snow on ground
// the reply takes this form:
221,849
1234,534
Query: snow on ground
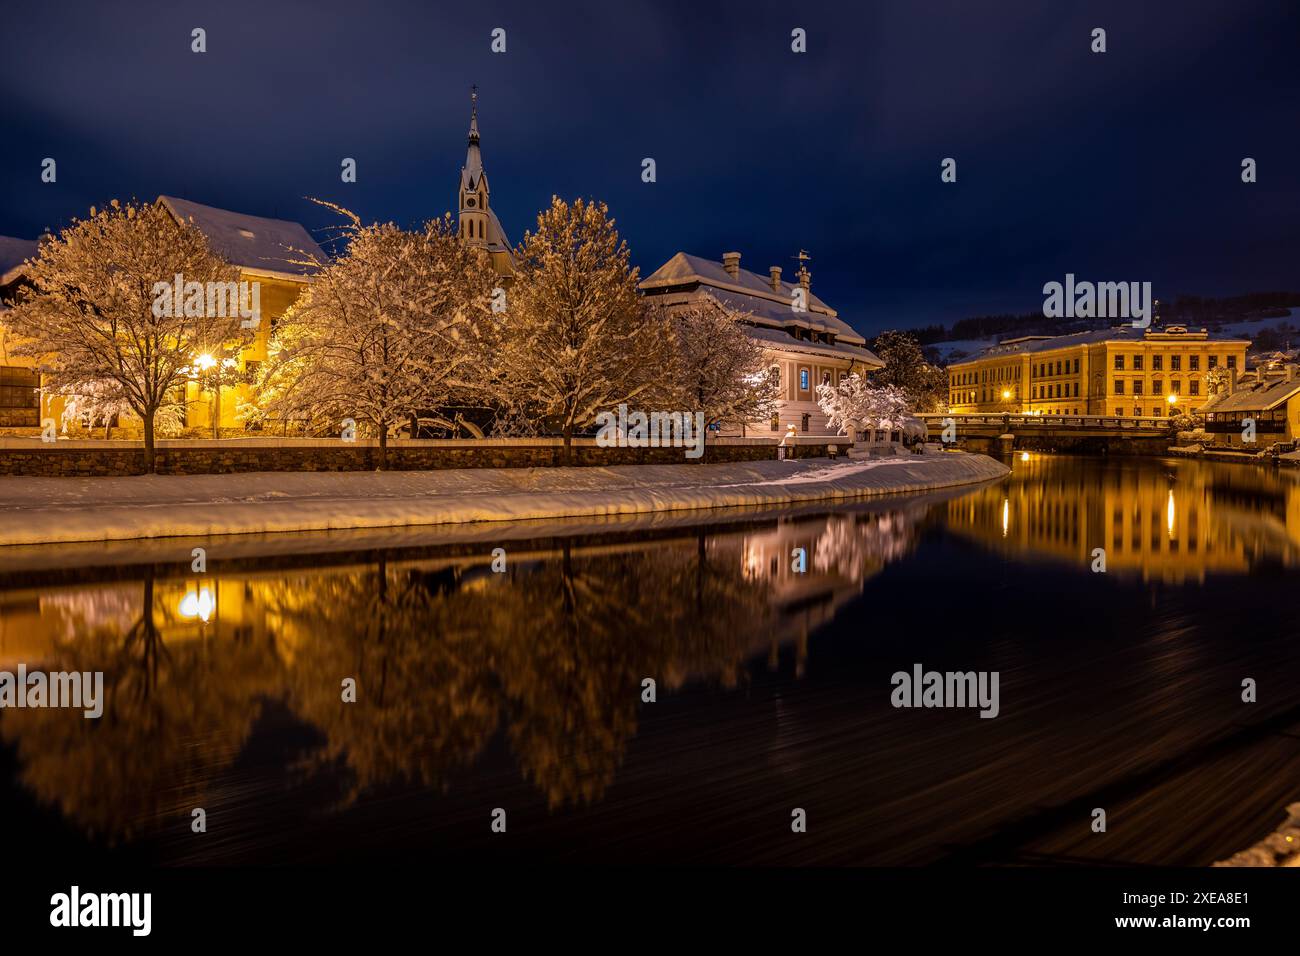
48,510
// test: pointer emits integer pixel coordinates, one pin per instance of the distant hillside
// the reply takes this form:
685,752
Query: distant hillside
1250,312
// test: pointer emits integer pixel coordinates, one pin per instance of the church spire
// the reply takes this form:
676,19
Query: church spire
474,214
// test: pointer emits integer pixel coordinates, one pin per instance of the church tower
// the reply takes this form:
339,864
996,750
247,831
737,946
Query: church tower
479,225
474,186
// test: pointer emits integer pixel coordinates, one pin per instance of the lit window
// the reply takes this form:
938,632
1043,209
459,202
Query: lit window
803,379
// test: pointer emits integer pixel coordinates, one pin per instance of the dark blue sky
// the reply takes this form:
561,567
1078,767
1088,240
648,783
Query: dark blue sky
1121,166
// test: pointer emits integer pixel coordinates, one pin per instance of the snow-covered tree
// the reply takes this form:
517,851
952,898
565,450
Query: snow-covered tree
716,368
90,315
100,403
575,339
388,330
925,385
855,405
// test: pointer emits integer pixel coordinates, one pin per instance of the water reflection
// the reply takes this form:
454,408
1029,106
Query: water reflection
1168,520
447,656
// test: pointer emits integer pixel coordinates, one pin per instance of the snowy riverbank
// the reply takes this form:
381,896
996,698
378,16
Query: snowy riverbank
50,510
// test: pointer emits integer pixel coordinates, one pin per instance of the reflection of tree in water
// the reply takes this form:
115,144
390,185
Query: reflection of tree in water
856,547
585,633
552,653
426,699
151,754
555,650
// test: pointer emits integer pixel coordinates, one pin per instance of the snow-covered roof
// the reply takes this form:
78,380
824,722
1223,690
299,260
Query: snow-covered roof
768,310
751,292
782,341
496,239
13,252
1254,397
254,243
1125,334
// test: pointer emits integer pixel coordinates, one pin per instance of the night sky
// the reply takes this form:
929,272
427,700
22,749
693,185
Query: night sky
1118,166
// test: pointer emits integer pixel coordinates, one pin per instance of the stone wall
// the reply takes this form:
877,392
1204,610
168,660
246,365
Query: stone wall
92,458
1077,445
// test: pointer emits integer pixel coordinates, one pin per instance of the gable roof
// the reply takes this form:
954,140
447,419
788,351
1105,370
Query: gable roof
12,254
1256,397
750,293
254,243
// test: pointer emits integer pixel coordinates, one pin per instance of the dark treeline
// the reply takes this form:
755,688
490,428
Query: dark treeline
1185,309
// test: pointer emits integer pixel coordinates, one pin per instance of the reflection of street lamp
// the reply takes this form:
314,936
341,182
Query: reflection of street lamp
197,604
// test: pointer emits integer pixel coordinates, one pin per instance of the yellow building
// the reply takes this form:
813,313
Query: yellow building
1120,372
268,252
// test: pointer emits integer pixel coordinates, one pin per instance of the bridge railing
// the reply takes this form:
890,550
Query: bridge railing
1082,422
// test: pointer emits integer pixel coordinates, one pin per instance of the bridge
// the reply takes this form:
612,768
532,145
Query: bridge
1053,432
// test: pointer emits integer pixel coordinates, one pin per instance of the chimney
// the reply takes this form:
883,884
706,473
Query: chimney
731,262
776,278
1290,368
1232,380
805,278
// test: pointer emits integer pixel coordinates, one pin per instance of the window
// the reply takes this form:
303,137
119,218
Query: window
826,378
776,421
1137,411
1214,361
803,380
1177,387
1195,388
1058,368
1157,363
1175,363
1076,366
1157,387
18,388
1058,389
1119,363
1137,363
1194,362
1119,386
1137,387
1232,361
1076,389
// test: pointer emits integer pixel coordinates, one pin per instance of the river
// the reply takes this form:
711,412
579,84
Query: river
522,690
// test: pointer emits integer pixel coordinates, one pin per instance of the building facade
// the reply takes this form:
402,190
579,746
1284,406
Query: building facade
1256,410
1121,372
808,346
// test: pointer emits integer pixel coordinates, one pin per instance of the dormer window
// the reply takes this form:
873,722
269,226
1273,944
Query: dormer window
247,233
